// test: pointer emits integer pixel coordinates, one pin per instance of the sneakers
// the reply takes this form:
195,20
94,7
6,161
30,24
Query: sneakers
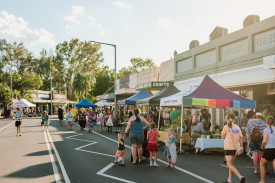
155,164
249,155
151,163
115,162
122,164
242,180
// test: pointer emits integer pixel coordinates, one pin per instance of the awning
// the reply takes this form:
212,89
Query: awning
242,77
85,103
104,103
23,103
132,100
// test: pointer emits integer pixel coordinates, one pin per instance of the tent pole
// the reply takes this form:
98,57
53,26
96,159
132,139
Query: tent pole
159,116
181,128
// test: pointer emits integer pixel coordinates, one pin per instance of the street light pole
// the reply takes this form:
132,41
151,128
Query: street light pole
115,110
51,88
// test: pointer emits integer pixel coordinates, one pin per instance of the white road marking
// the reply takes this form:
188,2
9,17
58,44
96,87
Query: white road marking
164,162
55,169
6,126
65,175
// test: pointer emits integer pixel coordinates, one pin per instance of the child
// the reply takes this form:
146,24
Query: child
121,149
46,121
69,117
170,149
100,121
152,146
18,122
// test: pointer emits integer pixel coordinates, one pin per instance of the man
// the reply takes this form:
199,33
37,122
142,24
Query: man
254,134
60,115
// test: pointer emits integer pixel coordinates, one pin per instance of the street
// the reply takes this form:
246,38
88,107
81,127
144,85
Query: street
75,156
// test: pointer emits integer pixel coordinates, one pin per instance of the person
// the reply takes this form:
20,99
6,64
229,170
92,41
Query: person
82,119
69,117
91,119
188,120
200,128
46,121
170,150
233,137
195,118
60,115
120,150
175,114
18,117
254,131
268,145
100,121
136,125
109,123
205,115
237,118
152,146
74,111
268,114
42,118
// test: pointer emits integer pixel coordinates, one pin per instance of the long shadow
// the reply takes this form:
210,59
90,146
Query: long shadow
39,153
35,171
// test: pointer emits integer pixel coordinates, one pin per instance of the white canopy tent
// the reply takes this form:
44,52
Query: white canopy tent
103,103
23,103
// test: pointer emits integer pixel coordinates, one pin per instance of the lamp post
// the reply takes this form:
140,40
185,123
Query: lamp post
51,89
115,111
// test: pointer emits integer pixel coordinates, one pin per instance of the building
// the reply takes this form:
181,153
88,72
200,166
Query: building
235,61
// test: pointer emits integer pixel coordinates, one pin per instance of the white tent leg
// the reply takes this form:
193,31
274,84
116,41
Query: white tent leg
181,128
159,117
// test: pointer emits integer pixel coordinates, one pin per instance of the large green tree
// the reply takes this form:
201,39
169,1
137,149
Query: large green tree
5,96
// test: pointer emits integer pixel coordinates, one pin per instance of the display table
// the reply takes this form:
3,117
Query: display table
203,143
185,137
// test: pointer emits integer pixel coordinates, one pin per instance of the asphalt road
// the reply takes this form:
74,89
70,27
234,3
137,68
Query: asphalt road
87,157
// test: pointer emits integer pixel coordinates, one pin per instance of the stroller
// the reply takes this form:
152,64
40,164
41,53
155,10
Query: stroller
144,146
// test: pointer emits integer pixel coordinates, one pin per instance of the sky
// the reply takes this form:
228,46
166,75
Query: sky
139,28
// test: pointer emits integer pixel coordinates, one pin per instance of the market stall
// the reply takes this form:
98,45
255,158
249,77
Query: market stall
206,93
103,103
85,103
23,103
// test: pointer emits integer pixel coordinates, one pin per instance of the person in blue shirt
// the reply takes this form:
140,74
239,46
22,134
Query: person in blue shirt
18,122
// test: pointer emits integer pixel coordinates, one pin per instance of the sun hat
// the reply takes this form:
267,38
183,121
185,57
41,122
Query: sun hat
90,108
259,114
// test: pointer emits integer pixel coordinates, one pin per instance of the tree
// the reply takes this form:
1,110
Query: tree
81,84
5,96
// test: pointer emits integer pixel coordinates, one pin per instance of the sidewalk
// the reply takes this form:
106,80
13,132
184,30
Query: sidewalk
26,158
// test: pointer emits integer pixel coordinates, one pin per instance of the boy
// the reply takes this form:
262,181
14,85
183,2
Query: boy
18,122
121,149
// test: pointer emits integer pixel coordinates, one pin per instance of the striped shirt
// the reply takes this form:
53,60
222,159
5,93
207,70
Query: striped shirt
257,123
18,116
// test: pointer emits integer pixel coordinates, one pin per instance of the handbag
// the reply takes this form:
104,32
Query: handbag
239,149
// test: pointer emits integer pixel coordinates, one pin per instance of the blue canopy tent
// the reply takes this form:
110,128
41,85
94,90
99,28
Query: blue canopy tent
85,103
133,99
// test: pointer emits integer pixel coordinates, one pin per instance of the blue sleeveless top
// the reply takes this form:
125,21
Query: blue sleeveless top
137,127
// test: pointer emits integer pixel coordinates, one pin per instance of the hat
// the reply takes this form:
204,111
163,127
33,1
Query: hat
259,114
90,108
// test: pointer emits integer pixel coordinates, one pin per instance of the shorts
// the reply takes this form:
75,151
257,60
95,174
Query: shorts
152,147
60,117
136,138
255,147
121,153
75,118
269,154
229,152
17,123
46,123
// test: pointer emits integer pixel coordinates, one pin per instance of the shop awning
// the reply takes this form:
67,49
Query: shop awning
85,103
104,103
208,93
23,103
132,100
155,99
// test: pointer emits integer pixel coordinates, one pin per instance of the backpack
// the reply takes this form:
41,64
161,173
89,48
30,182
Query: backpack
256,135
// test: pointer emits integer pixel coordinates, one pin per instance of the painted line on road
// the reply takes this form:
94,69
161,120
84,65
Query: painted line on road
64,173
55,169
164,162
7,126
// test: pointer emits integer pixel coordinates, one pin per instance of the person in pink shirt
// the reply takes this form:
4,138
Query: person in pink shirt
152,146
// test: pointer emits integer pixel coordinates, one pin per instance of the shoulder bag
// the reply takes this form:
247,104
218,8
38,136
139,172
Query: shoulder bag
239,149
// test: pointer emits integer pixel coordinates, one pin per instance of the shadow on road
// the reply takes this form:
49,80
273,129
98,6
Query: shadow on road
39,153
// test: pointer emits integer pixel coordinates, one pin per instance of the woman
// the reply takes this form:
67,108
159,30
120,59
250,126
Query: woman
109,120
188,120
232,135
91,119
82,119
136,124
268,145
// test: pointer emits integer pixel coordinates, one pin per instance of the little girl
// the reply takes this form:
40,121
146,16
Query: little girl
152,146
46,121
100,121
170,148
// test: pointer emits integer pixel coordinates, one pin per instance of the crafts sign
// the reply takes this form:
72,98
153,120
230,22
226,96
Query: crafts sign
153,85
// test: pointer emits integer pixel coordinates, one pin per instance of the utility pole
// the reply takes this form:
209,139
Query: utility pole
51,89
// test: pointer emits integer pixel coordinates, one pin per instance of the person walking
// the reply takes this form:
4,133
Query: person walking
233,137
18,122
91,119
60,115
100,121
46,121
152,146
82,119
136,125
69,117
268,145
254,134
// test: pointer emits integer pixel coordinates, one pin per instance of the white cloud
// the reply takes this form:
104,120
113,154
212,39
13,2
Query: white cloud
120,4
17,27
72,19
68,26
170,25
92,20
78,10
99,26
102,32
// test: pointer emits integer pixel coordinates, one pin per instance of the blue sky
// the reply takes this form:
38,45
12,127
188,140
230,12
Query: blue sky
140,28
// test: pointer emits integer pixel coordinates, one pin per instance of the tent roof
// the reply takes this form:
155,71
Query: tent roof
104,103
155,99
132,100
23,103
85,103
207,92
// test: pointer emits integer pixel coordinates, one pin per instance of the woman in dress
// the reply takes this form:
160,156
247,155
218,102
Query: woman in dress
109,120
100,121
91,119
82,119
